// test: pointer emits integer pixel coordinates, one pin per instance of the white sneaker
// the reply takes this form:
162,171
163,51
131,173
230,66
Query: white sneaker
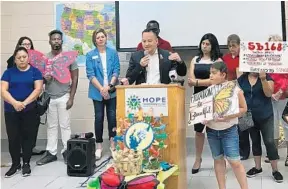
98,154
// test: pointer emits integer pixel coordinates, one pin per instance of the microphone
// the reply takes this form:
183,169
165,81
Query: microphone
82,135
173,75
146,53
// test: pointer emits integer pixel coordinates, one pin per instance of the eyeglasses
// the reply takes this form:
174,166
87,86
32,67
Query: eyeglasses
26,44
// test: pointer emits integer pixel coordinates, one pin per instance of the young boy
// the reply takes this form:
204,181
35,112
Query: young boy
222,131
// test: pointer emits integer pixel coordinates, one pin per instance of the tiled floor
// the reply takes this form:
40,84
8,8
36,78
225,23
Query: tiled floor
53,175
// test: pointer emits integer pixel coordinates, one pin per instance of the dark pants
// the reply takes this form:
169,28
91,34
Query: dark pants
99,118
244,143
266,128
35,139
22,130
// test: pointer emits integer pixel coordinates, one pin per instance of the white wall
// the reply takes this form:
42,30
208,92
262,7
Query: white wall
187,23
36,20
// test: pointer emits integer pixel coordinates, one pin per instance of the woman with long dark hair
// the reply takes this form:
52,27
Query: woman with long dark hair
199,74
25,42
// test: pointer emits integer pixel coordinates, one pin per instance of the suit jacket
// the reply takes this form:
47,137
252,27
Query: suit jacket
138,73
94,68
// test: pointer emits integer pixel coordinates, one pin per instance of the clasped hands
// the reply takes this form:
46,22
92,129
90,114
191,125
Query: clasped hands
19,106
104,91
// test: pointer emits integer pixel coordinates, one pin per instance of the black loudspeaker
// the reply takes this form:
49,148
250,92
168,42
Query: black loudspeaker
81,157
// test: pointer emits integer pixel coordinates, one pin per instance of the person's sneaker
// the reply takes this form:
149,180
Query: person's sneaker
253,172
48,158
13,171
277,176
64,154
36,152
26,171
286,162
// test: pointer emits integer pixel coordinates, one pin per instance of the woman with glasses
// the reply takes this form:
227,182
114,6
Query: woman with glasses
22,42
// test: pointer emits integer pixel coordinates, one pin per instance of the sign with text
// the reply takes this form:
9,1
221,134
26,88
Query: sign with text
201,107
272,57
146,98
215,101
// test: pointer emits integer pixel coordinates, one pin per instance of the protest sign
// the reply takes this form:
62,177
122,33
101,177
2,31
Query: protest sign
271,57
215,101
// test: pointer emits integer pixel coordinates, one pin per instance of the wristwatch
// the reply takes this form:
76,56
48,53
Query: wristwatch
111,85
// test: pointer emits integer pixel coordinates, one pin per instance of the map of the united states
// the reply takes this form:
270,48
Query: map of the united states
79,20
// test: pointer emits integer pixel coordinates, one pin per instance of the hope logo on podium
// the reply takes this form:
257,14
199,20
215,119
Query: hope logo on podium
133,102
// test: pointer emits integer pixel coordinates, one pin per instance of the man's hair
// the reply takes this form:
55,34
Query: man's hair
153,22
150,30
221,66
233,38
55,32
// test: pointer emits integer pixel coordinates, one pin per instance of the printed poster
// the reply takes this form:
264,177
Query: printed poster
146,98
272,57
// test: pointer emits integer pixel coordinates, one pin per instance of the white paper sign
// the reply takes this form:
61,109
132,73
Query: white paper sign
215,101
272,57
146,98
201,107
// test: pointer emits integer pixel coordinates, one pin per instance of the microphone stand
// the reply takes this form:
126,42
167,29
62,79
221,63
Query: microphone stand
177,81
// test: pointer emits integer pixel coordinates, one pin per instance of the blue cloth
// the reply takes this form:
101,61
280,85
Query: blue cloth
21,85
257,102
94,69
224,143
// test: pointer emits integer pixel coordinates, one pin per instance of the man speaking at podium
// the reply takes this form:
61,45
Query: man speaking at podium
152,65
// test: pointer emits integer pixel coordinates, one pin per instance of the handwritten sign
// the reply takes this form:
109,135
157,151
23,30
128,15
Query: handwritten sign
201,107
272,57
215,101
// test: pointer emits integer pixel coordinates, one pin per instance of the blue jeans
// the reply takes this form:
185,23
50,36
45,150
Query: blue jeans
224,143
99,118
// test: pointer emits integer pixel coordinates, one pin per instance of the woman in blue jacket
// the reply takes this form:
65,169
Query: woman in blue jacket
102,69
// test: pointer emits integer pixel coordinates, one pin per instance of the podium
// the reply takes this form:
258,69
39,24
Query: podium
175,153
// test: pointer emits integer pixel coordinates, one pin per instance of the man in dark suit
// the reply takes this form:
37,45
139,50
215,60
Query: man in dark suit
152,64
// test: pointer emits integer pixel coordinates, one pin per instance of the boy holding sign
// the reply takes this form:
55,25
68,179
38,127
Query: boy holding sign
222,131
